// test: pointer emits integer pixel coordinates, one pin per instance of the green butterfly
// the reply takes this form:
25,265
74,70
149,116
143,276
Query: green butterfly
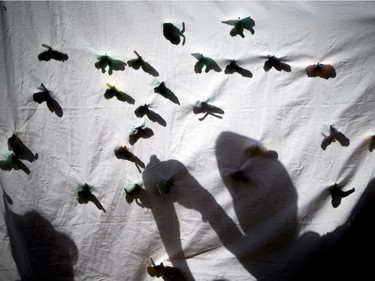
239,26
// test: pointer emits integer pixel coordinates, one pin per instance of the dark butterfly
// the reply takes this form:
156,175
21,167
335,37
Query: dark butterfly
277,64
124,153
52,54
143,110
239,25
45,96
16,145
168,273
140,63
333,136
173,34
140,132
207,109
112,91
84,196
325,71
232,67
106,61
209,63
13,162
166,93
337,194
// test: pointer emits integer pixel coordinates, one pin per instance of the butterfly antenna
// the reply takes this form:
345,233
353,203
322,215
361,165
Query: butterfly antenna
135,52
46,46
183,39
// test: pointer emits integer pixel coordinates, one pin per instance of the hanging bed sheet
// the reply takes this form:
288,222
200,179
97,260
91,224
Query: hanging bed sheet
184,140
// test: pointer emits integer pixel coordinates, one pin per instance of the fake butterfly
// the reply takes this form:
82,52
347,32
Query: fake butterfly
52,54
240,25
173,34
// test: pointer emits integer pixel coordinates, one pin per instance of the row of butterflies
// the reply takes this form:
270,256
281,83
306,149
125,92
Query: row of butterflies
173,34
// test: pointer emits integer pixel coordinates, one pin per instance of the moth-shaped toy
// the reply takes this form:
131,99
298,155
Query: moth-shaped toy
233,67
334,135
84,195
105,61
203,106
52,54
325,71
337,194
168,273
16,145
112,91
240,25
173,34
206,62
165,92
45,96
140,63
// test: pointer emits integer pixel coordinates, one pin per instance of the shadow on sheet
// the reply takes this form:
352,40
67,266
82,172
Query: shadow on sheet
265,204
40,252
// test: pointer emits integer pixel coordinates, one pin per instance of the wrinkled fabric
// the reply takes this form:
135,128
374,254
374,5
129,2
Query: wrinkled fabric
226,174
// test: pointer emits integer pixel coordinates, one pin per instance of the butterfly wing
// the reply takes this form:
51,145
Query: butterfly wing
41,97
327,71
248,23
327,141
341,138
237,30
230,22
311,71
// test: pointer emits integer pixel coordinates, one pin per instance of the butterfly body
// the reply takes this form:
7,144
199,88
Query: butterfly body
141,110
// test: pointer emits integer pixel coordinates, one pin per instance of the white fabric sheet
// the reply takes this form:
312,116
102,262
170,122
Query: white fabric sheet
279,225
